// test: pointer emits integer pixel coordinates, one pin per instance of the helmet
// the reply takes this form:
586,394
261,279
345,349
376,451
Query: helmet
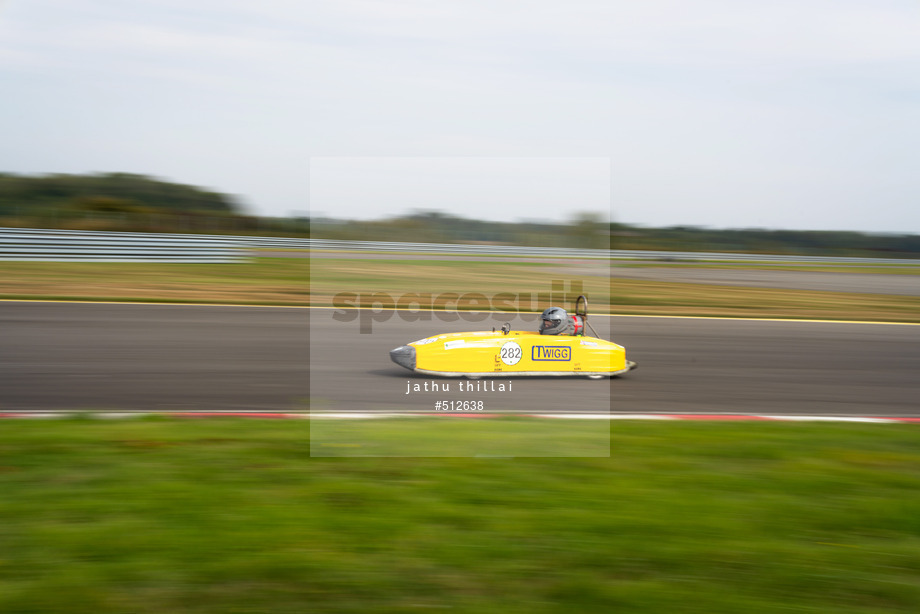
555,321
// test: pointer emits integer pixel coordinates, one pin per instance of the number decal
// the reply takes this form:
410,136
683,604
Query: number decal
511,353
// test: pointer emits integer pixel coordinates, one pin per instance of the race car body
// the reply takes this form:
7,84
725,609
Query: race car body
507,353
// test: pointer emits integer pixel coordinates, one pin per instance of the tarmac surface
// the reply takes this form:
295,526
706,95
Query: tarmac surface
80,356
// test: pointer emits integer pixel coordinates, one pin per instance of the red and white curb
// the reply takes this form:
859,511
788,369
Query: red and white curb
39,415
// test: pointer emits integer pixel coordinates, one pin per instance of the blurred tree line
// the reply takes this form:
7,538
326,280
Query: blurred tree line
125,202
764,241
587,230
138,203
114,191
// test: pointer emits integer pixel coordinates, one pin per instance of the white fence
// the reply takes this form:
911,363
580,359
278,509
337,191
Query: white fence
78,245
619,254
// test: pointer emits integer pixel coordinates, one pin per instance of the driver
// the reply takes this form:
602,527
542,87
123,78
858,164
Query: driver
556,322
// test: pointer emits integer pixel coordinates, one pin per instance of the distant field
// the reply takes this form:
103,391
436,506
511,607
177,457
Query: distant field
184,516
879,269
299,281
283,281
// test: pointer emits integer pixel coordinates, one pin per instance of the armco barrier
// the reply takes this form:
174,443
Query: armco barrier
78,245
85,246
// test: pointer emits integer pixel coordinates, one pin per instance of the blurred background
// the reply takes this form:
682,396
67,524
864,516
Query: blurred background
714,125
128,202
715,115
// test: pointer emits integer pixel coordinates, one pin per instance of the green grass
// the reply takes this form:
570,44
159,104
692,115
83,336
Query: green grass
455,436
236,516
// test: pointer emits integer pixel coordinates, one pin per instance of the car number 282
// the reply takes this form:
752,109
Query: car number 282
511,353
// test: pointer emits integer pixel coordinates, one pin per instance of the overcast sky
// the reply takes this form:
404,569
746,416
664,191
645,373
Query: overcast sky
799,114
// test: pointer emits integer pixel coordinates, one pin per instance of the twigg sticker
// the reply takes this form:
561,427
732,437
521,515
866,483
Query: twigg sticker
511,353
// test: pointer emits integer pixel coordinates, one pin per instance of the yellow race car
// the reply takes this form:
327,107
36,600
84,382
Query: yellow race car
558,348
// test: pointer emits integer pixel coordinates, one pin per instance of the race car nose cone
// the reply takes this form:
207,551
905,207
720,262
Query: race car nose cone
404,356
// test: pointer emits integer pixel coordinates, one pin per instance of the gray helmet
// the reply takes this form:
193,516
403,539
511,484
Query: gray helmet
555,321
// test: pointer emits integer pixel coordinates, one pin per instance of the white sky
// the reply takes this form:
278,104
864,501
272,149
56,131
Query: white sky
726,113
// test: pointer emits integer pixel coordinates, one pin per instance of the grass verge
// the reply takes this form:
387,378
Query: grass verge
525,286
158,515
282,281
864,269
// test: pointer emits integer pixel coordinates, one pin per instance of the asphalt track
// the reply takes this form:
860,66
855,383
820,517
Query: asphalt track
73,356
